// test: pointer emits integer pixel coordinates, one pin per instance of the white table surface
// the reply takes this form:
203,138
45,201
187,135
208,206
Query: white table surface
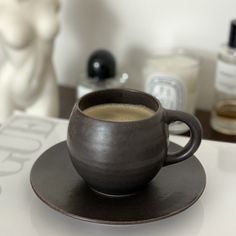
22,213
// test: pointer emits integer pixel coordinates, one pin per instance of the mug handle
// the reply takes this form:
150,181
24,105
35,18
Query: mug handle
195,135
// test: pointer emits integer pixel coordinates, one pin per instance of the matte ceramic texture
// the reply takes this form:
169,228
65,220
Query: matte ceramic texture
175,188
120,158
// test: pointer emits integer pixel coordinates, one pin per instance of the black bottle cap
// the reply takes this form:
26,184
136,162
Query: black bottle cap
101,65
232,35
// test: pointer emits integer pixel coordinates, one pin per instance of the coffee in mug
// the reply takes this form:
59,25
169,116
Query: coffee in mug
119,112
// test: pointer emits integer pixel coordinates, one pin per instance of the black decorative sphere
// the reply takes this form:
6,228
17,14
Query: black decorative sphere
101,65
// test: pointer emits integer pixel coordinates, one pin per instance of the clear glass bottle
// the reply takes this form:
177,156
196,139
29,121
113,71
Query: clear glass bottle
223,117
101,74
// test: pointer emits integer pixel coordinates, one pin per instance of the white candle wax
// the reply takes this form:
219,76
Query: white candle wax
177,67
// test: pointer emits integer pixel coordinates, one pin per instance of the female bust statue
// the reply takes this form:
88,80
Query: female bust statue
27,77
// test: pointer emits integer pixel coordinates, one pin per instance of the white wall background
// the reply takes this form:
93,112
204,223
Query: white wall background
134,29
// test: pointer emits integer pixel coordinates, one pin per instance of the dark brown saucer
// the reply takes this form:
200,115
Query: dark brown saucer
175,188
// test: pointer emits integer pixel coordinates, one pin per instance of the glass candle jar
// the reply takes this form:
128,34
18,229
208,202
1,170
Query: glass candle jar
172,78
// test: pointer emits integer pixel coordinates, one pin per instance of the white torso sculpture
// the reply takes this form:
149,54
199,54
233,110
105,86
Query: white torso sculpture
27,78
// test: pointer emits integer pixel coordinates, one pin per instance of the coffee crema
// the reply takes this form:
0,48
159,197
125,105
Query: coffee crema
119,112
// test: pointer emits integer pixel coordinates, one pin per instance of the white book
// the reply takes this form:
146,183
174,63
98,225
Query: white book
22,139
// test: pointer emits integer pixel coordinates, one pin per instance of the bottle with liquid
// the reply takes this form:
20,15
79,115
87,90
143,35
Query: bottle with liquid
223,117
101,74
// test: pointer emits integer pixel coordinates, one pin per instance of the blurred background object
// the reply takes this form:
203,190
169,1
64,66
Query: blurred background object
223,117
172,77
101,74
27,77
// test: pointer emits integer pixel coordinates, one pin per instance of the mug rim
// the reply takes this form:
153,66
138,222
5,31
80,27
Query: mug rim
155,100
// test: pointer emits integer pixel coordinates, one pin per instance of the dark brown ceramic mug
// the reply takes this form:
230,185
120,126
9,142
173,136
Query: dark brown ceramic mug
120,158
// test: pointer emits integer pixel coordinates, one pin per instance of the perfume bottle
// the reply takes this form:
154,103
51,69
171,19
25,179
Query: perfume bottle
223,117
101,74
